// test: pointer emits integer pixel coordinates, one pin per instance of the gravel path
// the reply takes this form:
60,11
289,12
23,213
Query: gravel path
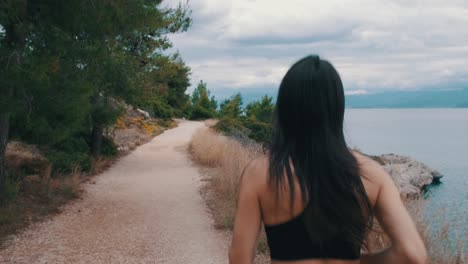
145,209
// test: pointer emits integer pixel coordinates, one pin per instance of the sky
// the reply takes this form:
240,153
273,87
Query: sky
376,45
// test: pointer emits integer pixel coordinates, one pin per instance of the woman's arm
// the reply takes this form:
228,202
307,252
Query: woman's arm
407,245
248,219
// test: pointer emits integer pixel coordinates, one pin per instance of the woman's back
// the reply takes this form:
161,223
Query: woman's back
276,206
316,197
284,223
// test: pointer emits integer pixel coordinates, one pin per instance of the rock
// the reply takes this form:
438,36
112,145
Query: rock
145,114
437,177
410,176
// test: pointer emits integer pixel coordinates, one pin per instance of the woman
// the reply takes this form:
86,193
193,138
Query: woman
315,196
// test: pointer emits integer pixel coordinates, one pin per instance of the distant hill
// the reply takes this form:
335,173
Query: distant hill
410,99
386,99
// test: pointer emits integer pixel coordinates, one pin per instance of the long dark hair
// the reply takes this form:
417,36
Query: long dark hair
308,145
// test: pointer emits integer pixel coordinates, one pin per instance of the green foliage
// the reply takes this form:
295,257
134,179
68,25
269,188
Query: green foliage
255,124
200,113
162,110
232,107
109,148
253,129
55,107
105,111
64,63
203,107
196,94
12,188
165,87
230,126
261,110
69,154
213,103
258,131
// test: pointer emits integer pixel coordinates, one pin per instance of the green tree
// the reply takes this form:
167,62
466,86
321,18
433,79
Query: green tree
232,107
177,84
213,103
39,71
164,91
64,62
202,106
255,124
196,94
132,47
261,110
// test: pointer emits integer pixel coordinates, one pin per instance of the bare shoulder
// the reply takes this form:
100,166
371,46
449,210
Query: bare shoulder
256,173
371,170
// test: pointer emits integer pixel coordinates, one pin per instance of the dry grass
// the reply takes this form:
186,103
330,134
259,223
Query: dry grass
211,122
441,248
23,157
227,158
207,147
33,194
224,159
38,197
101,164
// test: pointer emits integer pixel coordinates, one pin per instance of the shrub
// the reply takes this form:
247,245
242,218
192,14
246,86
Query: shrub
66,155
229,126
12,187
261,110
166,123
108,148
253,129
162,110
258,131
199,112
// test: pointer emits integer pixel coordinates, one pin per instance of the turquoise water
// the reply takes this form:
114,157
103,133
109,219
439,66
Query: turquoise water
437,137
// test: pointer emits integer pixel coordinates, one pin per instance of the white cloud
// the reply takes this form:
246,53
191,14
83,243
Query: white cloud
386,44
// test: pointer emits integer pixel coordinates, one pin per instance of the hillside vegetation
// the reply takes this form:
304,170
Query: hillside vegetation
66,64
84,82
81,83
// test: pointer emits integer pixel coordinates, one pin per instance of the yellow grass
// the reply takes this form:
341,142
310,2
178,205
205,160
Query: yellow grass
23,157
226,158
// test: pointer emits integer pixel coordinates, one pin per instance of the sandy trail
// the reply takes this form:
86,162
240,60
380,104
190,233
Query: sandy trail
145,209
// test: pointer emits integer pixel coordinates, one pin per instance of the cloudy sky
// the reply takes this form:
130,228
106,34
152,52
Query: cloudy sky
376,45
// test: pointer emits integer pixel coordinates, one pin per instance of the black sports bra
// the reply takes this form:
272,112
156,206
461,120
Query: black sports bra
290,241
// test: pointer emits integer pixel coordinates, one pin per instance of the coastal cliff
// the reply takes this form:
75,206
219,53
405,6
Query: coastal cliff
410,176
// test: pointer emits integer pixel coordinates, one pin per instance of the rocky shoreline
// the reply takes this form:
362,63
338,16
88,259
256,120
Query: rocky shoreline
410,176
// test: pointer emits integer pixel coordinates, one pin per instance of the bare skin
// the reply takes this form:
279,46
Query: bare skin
258,205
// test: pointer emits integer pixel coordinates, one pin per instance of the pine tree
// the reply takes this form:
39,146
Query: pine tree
261,110
203,107
63,63
232,107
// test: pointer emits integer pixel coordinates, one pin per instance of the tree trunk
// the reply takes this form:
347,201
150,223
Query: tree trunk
4,130
96,139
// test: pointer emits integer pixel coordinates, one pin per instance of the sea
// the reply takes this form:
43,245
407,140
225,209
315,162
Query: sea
437,137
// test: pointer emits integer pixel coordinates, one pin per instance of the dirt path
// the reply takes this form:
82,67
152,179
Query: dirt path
145,209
